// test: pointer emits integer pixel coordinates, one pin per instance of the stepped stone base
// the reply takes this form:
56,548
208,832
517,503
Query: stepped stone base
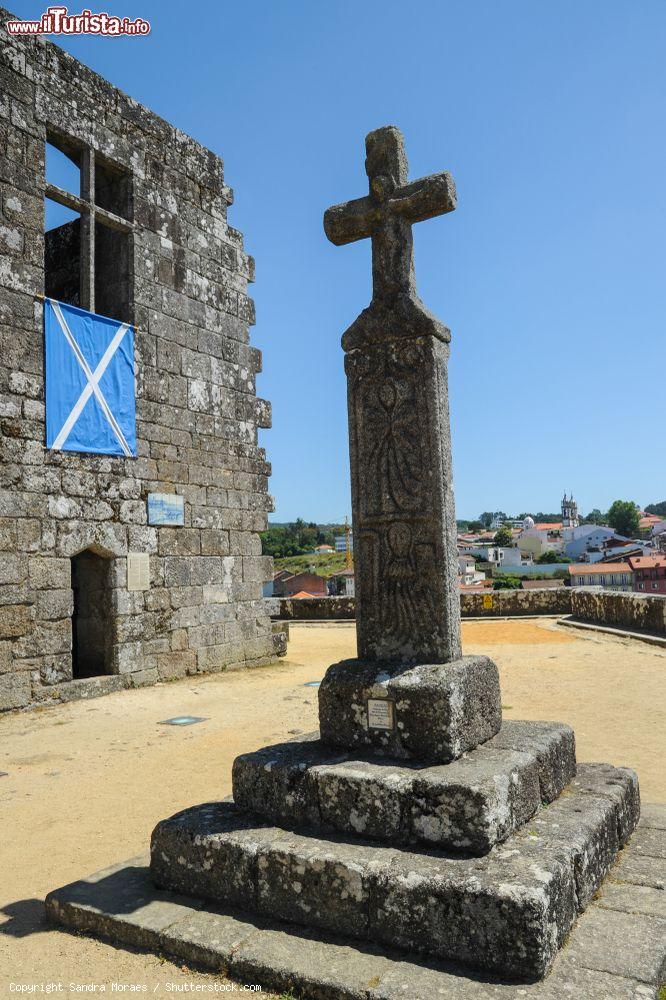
616,950
430,712
470,804
508,912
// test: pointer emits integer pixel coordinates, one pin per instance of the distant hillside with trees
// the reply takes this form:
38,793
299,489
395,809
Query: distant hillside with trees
325,565
296,538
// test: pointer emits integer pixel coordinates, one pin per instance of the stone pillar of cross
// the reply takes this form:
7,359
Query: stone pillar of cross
410,692
405,553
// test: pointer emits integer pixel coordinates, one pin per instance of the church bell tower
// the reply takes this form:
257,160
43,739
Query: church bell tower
569,512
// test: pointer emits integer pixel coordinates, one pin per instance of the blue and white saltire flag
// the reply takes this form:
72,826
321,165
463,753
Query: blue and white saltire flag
90,399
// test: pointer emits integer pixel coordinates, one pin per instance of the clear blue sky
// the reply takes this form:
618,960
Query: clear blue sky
551,273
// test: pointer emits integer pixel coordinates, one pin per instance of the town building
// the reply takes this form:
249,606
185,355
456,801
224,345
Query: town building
610,576
647,523
620,550
658,528
584,541
130,532
537,539
659,537
500,521
468,575
475,545
649,574
291,584
508,557
342,584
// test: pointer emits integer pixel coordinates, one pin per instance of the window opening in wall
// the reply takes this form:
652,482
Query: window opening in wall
63,169
91,247
62,253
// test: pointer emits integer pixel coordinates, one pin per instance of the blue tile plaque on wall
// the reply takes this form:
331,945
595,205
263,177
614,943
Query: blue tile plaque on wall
166,508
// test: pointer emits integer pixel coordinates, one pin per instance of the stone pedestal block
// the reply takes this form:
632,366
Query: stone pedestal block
468,805
430,712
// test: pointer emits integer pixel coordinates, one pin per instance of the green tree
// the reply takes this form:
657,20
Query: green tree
503,537
294,539
486,518
623,518
507,583
475,526
594,517
657,508
548,557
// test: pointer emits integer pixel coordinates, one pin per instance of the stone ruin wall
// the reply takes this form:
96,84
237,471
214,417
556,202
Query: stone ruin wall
197,411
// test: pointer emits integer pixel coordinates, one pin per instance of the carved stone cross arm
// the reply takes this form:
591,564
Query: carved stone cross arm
351,221
425,198
414,202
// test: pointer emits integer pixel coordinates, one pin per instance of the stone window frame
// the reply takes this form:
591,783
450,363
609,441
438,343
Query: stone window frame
85,205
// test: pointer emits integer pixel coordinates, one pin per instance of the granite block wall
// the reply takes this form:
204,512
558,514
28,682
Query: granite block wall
640,612
186,290
492,604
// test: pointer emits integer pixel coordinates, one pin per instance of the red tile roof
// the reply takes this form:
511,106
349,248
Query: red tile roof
587,569
648,520
647,562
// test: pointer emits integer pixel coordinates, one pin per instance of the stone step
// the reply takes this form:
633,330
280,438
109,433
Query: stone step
616,950
468,805
508,912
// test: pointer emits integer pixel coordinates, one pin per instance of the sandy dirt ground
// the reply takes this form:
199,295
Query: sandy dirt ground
87,781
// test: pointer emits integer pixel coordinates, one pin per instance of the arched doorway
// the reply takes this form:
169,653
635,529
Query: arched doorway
91,620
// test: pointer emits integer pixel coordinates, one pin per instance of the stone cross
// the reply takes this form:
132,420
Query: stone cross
405,539
387,213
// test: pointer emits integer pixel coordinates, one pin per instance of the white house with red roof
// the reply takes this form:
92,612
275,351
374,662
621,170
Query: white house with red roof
610,576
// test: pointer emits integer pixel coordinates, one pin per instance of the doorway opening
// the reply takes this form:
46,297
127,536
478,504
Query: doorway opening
92,618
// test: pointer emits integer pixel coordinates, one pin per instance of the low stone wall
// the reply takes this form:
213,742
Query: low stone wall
494,603
313,608
641,612
474,605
